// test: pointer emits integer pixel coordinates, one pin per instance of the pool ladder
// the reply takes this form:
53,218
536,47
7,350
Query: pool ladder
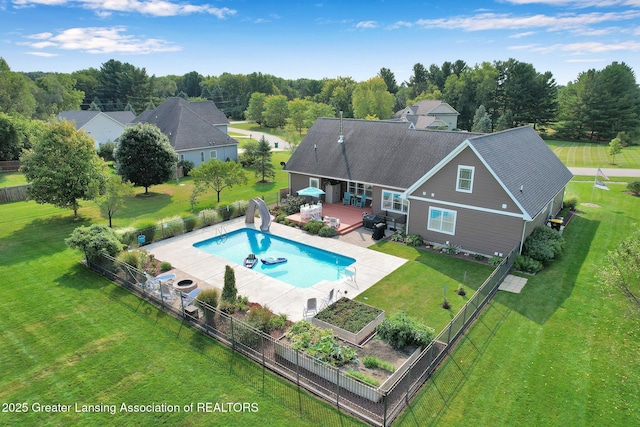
220,231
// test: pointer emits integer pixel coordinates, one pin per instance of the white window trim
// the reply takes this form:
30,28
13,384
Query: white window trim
405,202
473,171
314,182
213,154
455,220
358,189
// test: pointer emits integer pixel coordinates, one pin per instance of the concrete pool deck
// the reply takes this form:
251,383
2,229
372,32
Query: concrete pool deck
280,297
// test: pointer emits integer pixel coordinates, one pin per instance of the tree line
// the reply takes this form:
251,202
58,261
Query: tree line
596,106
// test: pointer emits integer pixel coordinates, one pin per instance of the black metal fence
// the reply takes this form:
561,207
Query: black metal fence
377,406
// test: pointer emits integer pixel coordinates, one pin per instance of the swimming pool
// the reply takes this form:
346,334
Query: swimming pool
305,264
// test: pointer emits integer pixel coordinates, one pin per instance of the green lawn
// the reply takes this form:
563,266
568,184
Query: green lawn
70,336
11,179
584,154
418,286
563,352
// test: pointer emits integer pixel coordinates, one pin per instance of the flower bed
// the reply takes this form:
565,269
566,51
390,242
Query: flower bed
350,320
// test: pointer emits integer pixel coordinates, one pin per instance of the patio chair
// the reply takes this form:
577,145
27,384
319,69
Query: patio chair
346,200
328,300
362,201
312,306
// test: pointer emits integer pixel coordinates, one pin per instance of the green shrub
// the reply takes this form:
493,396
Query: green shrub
327,231
401,331
372,362
292,205
187,166
190,223
479,257
207,217
544,244
364,378
209,297
451,249
571,202
527,264
229,291
94,240
165,266
172,226
397,237
313,226
241,207
281,217
260,318
130,257
320,343
106,151
634,187
128,235
414,240
226,211
495,260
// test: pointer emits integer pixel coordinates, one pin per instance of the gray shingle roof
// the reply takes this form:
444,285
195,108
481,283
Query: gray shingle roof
82,117
389,153
519,157
189,125
377,152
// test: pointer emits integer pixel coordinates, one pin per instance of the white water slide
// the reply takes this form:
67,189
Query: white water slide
265,216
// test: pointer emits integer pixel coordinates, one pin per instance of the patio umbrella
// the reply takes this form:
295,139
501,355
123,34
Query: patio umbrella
311,192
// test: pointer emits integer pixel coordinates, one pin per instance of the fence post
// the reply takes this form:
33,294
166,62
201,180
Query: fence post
297,369
338,388
385,400
263,363
233,340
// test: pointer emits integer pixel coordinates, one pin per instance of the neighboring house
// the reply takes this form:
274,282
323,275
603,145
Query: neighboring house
196,130
430,115
101,126
482,192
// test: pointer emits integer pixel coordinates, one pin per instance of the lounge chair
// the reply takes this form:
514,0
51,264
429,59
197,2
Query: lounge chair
312,306
188,299
328,300
362,201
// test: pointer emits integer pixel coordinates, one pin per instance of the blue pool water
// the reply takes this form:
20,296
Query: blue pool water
305,264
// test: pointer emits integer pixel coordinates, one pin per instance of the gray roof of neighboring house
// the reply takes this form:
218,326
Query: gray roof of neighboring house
189,125
389,153
82,117
519,157
423,108
373,151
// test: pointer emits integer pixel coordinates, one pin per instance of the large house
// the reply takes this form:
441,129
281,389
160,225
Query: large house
196,130
429,114
101,126
482,192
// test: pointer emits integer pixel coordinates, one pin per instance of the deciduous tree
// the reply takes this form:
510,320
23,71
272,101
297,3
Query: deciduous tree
276,111
371,98
113,197
63,167
218,175
144,156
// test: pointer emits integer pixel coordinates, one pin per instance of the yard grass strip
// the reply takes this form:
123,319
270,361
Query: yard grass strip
562,352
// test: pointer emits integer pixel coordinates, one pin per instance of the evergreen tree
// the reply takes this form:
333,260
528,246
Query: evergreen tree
229,290
263,164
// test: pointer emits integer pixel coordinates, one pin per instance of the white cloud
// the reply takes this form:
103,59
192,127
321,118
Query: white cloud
100,40
583,48
578,3
520,35
400,24
42,54
145,7
494,21
367,25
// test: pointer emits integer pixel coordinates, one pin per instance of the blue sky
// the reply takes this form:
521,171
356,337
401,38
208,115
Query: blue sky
296,39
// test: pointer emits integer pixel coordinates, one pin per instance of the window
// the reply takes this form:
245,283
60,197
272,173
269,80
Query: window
314,182
359,188
465,179
391,201
213,154
181,156
202,156
442,220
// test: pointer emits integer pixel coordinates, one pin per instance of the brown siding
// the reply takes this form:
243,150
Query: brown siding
487,193
475,231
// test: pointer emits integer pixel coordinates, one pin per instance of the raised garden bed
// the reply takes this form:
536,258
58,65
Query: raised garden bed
350,320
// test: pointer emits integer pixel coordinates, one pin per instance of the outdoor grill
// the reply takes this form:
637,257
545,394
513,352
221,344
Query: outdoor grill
370,221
